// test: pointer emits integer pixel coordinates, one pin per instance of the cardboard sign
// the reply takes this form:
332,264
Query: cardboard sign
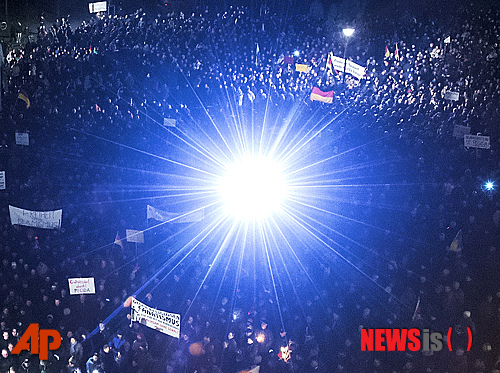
82,285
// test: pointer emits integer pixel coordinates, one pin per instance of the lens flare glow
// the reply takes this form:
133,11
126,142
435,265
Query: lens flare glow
489,185
253,188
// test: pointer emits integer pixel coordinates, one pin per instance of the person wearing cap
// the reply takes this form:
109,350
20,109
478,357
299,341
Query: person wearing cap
93,364
118,342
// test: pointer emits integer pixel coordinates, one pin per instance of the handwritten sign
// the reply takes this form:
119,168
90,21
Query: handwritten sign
36,219
82,285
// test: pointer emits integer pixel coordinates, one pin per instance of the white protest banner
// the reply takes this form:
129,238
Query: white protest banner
355,70
82,285
100,6
474,141
167,122
165,322
2,180
134,236
160,215
338,63
460,131
154,213
37,219
452,96
22,139
350,67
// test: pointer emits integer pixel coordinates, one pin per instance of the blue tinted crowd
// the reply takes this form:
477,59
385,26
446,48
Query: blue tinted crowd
118,77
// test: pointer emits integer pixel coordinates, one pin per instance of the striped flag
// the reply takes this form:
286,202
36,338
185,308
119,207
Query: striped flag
329,64
318,95
301,67
396,53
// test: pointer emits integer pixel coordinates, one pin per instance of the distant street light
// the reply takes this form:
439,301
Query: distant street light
348,32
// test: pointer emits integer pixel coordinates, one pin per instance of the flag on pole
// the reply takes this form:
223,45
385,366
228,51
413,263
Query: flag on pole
457,244
97,108
288,60
318,95
329,64
301,67
447,40
118,241
134,235
24,97
417,310
387,53
396,53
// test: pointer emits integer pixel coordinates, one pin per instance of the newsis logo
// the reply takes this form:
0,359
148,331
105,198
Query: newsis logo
407,340
36,341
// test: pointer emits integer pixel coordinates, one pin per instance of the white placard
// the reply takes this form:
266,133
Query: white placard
452,96
22,139
168,122
352,68
100,6
338,63
165,322
134,236
160,215
474,141
37,219
460,131
2,180
82,285
355,70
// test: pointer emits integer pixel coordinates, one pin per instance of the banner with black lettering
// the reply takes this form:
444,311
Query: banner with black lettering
81,285
476,141
36,219
165,322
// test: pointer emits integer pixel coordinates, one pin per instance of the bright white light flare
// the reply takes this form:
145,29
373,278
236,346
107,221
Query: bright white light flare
253,188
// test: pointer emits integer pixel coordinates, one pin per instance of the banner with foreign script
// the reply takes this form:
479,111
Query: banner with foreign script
165,322
81,285
160,215
476,141
355,70
352,68
36,219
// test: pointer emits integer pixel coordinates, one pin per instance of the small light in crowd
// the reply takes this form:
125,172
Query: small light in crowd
489,185
261,337
296,53
348,31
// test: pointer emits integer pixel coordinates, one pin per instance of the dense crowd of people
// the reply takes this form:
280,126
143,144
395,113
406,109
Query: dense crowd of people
99,92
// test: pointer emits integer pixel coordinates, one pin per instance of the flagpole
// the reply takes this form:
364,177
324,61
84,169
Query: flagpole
347,33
